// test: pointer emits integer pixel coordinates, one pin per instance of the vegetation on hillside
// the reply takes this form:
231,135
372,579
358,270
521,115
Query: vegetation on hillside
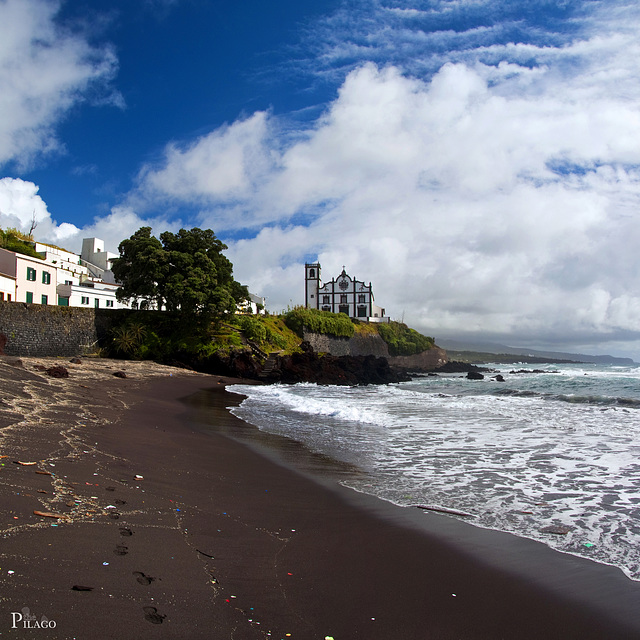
402,340
18,242
333,324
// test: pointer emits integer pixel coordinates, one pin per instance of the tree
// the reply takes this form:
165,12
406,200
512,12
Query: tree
184,271
141,268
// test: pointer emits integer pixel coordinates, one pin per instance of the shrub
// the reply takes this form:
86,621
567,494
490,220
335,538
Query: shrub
253,329
324,322
402,340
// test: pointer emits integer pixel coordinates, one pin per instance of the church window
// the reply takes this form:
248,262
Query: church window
343,298
343,308
326,299
326,308
362,312
312,273
361,298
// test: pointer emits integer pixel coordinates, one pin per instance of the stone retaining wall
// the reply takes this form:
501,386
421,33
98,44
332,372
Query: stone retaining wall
42,331
365,345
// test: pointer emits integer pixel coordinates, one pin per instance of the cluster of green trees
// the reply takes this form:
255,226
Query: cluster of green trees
184,271
186,275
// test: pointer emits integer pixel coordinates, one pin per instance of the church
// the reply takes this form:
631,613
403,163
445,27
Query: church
343,294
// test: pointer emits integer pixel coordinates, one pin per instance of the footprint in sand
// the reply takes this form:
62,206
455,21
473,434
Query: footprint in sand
121,550
151,614
125,531
143,578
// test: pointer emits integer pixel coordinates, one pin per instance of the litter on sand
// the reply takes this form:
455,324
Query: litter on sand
47,514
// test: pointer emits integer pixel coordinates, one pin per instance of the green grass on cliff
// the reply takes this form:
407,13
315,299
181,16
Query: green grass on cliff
162,336
402,340
337,325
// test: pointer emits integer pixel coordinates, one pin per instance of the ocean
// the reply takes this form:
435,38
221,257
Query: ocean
552,456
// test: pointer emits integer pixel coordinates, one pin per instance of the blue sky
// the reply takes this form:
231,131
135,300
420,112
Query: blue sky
477,160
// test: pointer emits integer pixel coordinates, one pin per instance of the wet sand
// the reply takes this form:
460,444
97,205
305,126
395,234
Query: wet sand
168,526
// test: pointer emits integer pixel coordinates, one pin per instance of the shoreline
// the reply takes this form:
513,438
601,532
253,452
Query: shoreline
218,539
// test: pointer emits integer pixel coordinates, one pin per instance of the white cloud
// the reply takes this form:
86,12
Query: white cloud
495,194
493,198
21,206
44,71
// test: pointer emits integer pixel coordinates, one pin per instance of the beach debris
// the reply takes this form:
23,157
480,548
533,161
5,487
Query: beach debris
560,530
25,464
75,361
205,554
588,544
80,587
119,374
105,564
138,477
57,371
121,550
125,531
453,512
328,638
48,514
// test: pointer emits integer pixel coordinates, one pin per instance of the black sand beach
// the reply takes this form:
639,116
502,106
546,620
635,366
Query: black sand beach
159,524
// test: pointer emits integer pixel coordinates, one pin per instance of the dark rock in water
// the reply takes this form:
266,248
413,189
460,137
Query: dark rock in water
339,370
560,530
474,375
459,367
498,378
120,374
57,372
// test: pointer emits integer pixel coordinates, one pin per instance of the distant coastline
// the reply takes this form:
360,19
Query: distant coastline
488,352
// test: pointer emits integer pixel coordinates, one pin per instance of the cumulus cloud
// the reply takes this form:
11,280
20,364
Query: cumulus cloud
21,206
44,71
485,184
495,196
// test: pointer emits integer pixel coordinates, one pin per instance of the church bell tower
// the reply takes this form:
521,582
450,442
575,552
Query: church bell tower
312,285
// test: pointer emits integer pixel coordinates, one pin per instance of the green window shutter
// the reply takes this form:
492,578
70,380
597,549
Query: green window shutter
29,296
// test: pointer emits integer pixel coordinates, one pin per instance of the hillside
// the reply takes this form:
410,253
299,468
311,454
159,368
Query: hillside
490,352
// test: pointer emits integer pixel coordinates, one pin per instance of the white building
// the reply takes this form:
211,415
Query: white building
34,280
343,294
7,287
80,282
59,277
254,305
97,260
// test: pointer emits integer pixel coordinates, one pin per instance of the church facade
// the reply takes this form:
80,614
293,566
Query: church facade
343,294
